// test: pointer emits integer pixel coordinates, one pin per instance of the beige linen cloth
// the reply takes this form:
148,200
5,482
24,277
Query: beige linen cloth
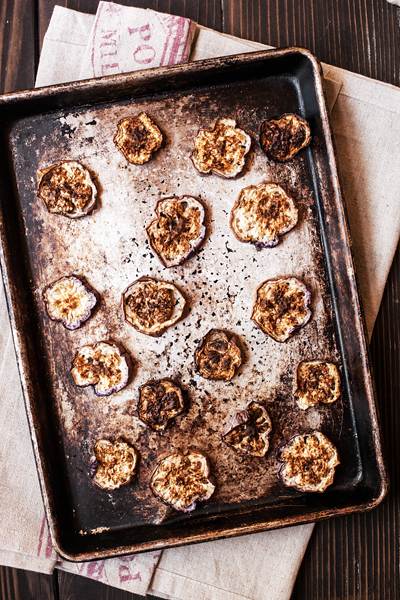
366,122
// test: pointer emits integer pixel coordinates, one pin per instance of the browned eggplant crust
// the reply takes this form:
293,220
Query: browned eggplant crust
152,306
281,307
221,149
249,430
137,138
262,214
281,139
70,301
308,462
159,402
113,464
178,230
318,382
217,356
180,480
104,365
67,188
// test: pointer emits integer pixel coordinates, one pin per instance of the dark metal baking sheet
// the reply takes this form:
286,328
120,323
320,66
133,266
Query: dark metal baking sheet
77,121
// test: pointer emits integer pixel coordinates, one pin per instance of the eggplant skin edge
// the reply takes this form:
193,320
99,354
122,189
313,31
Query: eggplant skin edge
301,399
127,364
94,463
144,154
194,245
44,174
304,488
241,418
90,293
248,196
178,296
179,392
207,135
280,155
231,341
206,474
307,302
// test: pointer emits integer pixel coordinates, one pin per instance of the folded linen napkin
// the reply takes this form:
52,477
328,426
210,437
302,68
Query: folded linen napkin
257,566
118,39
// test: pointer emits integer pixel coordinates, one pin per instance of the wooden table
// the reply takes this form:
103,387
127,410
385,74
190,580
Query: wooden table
356,557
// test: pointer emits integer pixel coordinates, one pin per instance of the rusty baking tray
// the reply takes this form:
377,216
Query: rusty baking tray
109,247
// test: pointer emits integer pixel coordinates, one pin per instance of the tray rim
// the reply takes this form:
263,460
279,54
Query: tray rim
64,90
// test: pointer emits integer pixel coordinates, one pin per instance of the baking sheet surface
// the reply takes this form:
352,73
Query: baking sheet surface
111,250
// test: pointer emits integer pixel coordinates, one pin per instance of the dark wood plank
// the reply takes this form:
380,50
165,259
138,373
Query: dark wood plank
18,49
357,557
359,35
16,584
74,587
22,24
18,63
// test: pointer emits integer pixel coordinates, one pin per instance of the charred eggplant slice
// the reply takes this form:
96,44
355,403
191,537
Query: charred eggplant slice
70,301
221,149
281,139
248,431
178,230
308,462
318,382
180,480
67,188
104,365
159,402
281,307
262,214
113,465
217,356
137,138
152,306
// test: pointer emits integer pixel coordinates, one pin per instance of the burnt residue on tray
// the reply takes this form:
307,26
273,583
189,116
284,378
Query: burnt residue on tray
110,248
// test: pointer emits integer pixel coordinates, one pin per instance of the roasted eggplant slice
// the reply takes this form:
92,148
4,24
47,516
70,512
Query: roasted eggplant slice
159,403
137,138
281,307
113,465
182,479
283,138
221,149
105,366
217,356
67,188
262,214
308,462
152,306
178,230
70,301
318,382
248,431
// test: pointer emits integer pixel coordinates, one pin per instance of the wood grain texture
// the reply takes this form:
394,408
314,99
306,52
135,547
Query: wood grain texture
357,557
16,584
359,35
19,52
74,587
353,558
